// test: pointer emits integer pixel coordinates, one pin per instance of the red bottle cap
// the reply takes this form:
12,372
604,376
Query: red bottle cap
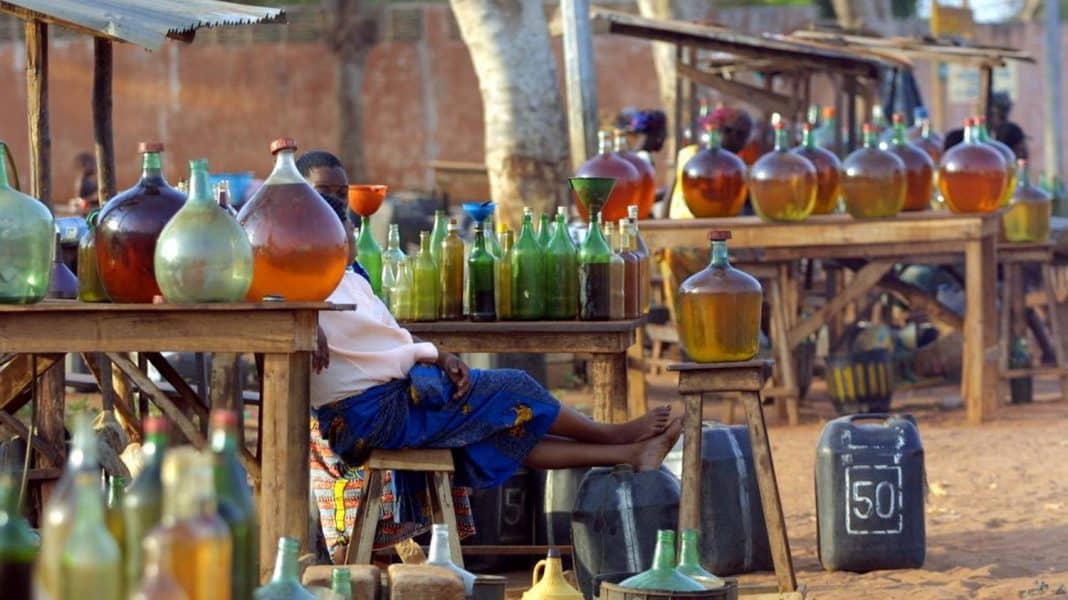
899,118
149,147
869,128
780,125
155,425
969,122
284,143
828,112
719,235
221,418
980,119
806,126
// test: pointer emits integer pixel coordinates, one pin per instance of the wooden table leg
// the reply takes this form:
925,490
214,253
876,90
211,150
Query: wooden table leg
636,396
283,498
769,493
979,383
1055,327
784,357
51,406
690,502
608,374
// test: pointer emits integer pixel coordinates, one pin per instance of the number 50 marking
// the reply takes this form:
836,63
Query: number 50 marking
873,498
885,499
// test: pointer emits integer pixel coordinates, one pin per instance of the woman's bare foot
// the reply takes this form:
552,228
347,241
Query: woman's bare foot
649,425
650,455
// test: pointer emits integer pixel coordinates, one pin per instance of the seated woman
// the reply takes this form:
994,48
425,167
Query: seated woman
376,386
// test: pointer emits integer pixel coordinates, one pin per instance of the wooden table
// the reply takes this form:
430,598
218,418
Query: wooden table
924,237
605,341
285,332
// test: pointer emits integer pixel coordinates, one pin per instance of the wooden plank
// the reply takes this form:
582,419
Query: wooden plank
283,497
608,375
412,459
747,379
362,540
769,493
864,280
542,343
783,355
422,328
100,367
188,400
765,99
18,374
37,111
581,80
690,501
161,400
103,134
51,409
980,368
150,311
16,426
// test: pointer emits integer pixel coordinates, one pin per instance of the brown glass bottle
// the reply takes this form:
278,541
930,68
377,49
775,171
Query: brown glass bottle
874,181
713,181
783,184
828,172
972,176
128,227
919,169
608,164
632,275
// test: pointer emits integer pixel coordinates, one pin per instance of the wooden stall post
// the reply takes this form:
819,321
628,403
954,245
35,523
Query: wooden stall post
37,111
986,90
581,80
103,137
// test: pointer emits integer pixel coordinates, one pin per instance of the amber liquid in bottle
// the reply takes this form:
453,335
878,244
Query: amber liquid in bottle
783,184
972,176
919,169
714,181
632,276
874,184
628,188
828,172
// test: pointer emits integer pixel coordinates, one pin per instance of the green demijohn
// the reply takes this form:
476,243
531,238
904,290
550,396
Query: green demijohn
426,282
202,254
690,561
452,274
91,565
594,255
528,273
143,502
236,506
18,544
90,288
369,255
561,272
285,582
663,576
27,240
481,266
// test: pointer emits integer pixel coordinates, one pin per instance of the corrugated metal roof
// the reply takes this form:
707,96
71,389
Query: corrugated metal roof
146,23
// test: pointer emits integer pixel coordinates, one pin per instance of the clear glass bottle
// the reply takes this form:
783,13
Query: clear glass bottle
59,512
285,582
783,184
714,180
90,287
202,254
441,556
341,582
481,268
300,249
91,566
874,182
719,309
919,169
607,163
690,561
400,299
128,227
561,272
236,506
502,275
390,260
663,576
18,545
595,274
631,272
369,255
158,582
528,273
62,282
642,250
647,195
221,191
1028,217
972,176
1006,153
828,172
437,234
426,282
143,500
452,273
116,523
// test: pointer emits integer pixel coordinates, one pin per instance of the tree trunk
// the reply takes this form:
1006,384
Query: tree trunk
354,33
526,142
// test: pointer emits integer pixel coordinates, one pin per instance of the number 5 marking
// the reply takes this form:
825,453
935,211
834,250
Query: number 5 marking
857,497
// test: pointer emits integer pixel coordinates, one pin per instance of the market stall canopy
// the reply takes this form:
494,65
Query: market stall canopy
146,23
907,49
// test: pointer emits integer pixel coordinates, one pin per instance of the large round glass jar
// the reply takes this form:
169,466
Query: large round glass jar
299,247
972,176
1006,154
607,163
874,181
128,227
27,241
719,309
1028,217
783,184
713,181
828,172
919,169
647,195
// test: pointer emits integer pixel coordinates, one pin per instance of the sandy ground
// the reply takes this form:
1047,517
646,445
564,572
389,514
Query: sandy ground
997,508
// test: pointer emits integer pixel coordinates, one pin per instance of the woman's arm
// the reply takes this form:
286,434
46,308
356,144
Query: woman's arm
456,369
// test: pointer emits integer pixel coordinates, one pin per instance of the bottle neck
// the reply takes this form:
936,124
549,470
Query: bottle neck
715,139
393,241
224,440
153,448
719,254
982,133
285,168
424,243
199,186
286,567
689,551
900,135
664,557
925,128
89,506
4,183
604,143
507,241
151,167
619,143
480,237
528,225
870,139
970,135
365,225
439,548
1024,173
782,142
807,139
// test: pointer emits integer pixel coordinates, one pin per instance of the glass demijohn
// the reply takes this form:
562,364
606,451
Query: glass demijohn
1006,153
714,181
919,168
874,182
441,556
647,196
1027,218
663,576
783,184
27,240
690,561
972,176
607,163
285,582
828,172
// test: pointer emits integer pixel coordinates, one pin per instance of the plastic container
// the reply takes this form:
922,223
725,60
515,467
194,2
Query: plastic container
504,516
860,382
870,493
560,492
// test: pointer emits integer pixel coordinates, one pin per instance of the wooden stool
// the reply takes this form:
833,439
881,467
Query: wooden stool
437,464
745,380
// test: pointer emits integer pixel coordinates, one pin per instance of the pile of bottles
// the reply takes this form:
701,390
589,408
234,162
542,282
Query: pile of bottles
667,575
184,528
539,275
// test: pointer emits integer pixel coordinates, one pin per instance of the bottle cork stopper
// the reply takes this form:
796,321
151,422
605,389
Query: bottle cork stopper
149,147
899,118
283,143
154,425
719,235
869,128
780,125
223,418
969,122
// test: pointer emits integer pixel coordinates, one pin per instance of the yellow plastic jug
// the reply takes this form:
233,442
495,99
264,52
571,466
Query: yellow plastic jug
551,585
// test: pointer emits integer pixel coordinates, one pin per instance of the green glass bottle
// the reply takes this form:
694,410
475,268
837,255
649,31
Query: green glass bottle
492,243
143,501
528,273
452,274
202,254
341,582
561,272
690,561
400,296
236,506
644,260
437,234
113,513
426,294
91,566
59,512
663,576
18,544
390,260
26,242
481,266
369,255
594,274
502,276
90,288
285,582
544,230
